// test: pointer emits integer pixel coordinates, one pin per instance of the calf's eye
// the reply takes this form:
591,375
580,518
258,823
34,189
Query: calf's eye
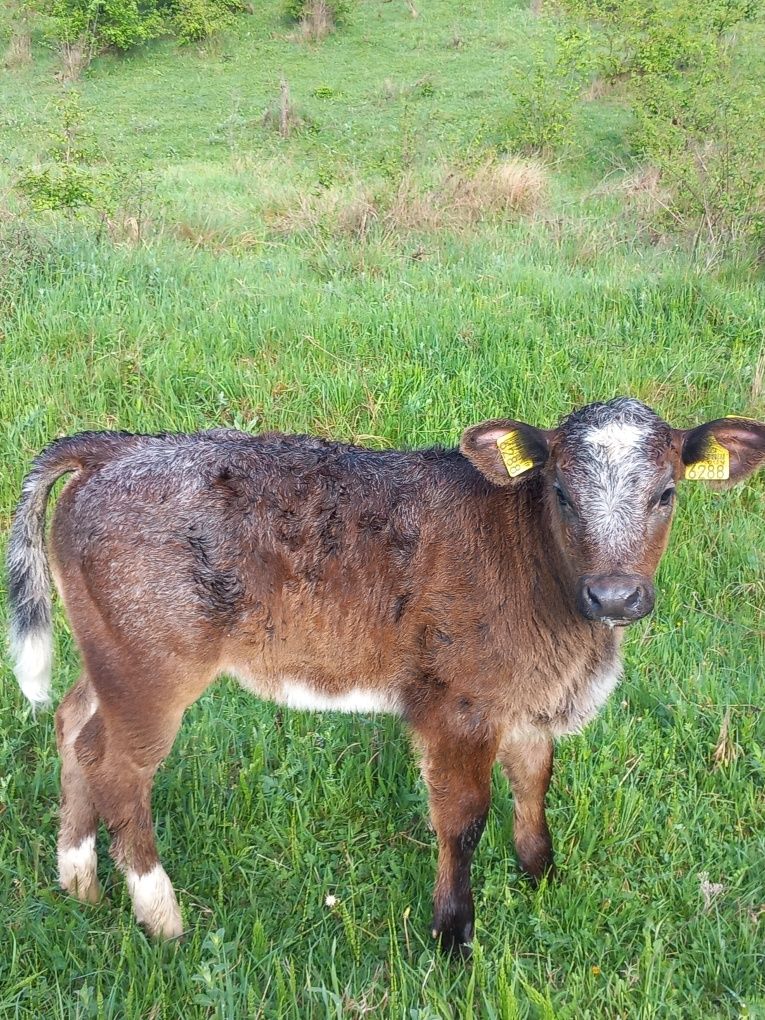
666,497
562,500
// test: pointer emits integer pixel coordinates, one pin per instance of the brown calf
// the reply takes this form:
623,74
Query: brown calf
477,593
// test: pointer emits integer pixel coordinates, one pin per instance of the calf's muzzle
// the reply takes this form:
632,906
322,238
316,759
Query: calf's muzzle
616,598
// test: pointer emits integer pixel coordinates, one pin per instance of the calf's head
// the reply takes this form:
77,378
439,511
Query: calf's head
607,478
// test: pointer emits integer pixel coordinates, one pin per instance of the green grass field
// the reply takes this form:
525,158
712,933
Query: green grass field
237,283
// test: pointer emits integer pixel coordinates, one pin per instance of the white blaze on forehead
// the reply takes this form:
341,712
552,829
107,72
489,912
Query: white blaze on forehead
619,439
618,474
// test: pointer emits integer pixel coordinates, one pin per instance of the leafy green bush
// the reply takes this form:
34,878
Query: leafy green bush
67,179
120,24
545,98
124,24
661,36
704,131
196,20
339,10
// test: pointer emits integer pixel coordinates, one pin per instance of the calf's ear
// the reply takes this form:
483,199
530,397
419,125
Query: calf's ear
504,450
723,451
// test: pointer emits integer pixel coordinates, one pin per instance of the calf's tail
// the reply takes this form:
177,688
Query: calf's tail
29,580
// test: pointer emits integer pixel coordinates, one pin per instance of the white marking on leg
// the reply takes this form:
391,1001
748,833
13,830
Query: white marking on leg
77,870
154,902
32,657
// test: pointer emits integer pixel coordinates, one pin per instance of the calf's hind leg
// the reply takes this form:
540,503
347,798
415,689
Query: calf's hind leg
79,817
119,750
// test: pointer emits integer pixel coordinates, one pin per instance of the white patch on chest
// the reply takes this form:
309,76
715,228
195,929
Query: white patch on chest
589,700
298,695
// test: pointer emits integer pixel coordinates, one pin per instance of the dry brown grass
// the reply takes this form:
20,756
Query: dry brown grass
412,208
344,212
205,237
283,115
599,87
74,58
316,24
462,199
517,186
129,229
758,380
645,190
511,187
19,51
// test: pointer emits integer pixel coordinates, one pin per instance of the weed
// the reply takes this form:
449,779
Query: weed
18,53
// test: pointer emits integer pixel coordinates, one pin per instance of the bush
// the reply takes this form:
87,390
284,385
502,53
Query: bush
123,24
704,132
339,10
196,20
545,98
67,179
695,89
120,24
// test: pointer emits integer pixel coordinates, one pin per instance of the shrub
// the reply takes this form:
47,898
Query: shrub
19,51
698,106
704,134
196,20
545,98
120,24
338,10
67,180
95,25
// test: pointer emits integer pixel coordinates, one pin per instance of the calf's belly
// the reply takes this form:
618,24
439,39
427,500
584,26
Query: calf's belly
303,692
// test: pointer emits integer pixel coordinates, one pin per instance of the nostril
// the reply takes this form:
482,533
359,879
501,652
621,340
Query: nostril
632,601
592,598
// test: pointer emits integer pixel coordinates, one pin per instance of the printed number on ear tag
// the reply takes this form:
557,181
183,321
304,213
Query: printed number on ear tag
714,467
515,458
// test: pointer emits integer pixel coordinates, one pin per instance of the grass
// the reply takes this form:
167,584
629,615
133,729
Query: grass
218,313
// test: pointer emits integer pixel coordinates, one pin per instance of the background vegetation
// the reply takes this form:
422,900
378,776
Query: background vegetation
383,227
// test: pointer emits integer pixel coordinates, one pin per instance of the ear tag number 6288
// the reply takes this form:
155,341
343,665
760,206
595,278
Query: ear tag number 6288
714,467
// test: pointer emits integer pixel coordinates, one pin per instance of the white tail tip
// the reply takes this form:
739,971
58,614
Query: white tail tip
33,656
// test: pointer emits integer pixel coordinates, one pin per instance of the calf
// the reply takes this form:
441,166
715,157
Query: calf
478,593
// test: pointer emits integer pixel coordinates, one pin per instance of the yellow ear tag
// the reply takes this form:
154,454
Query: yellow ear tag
513,454
714,466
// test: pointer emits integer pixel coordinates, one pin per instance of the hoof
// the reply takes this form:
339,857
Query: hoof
546,871
77,871
154,903
454,943
453,928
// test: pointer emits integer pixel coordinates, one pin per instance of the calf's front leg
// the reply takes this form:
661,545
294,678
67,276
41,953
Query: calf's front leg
458,776
528,761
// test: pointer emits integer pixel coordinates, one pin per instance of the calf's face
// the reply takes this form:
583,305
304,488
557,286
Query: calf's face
609,473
